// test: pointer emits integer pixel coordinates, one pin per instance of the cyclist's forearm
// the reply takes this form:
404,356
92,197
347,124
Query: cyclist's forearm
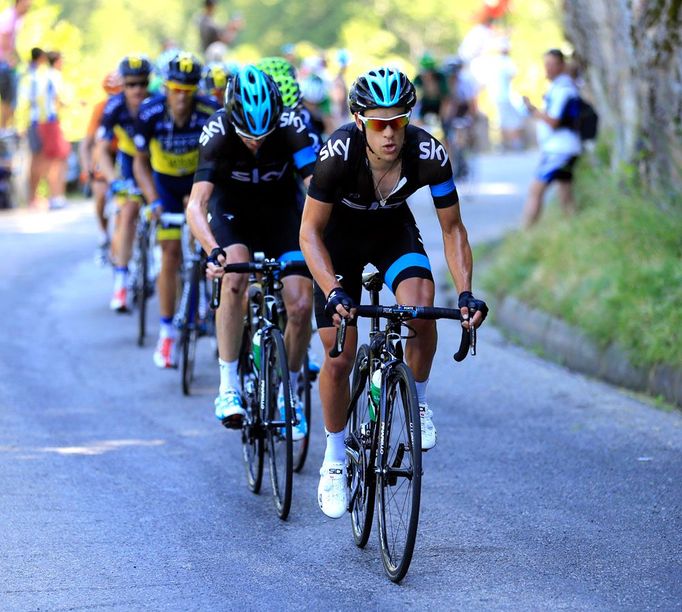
318,260
106,166
459,258
143,176
197,218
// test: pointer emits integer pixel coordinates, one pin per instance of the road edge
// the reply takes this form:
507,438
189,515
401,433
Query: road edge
569,346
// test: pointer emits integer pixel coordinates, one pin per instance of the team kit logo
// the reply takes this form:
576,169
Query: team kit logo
433,150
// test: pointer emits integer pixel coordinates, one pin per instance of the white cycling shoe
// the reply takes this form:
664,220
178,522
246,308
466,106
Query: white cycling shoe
427,426
332,492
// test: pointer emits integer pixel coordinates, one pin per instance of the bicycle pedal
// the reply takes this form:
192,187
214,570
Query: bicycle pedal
233,422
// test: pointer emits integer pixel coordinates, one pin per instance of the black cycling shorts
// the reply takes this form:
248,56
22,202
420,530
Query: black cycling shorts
261,228
392,244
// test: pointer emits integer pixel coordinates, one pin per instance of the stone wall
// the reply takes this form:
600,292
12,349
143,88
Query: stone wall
632,50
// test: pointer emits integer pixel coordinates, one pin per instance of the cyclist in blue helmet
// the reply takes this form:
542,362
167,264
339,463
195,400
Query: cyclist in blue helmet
249,155
167,139
118,124
356,213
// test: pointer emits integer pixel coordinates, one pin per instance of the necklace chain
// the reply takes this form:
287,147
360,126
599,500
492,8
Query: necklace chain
382,199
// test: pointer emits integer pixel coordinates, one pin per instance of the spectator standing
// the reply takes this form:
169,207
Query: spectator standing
10,23
211,32
502,73
560,146
33,95
55,147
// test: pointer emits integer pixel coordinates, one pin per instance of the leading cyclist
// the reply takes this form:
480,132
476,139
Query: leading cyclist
356,213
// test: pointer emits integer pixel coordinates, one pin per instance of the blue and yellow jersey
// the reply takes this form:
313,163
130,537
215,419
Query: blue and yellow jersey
173,150
118,124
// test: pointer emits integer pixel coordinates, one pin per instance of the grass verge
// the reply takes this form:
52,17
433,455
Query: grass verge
614,269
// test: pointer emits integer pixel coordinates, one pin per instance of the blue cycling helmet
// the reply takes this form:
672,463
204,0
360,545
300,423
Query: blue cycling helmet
253,102
184,68
381,88
134,65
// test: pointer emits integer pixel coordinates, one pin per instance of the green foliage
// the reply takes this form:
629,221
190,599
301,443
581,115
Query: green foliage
613,270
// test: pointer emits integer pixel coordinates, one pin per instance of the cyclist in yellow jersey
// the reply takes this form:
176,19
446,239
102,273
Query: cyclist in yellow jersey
118,122
167,141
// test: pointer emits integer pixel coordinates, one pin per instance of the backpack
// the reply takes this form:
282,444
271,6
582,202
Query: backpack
579,115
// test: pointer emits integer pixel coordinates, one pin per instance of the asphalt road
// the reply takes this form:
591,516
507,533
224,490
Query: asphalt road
547,490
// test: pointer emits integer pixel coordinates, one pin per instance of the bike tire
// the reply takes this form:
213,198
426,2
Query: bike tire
142,288
190,331
253,447
361,451
304,393
400,470
275,372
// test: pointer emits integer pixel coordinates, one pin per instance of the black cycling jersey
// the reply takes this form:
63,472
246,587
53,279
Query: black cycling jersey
239,175
343,177
361,230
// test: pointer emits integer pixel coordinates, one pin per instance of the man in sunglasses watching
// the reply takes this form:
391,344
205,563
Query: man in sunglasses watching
167,141
356,213
118,122
246,183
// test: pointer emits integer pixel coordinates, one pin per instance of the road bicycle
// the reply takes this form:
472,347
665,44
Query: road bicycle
264,377
383,432
193,317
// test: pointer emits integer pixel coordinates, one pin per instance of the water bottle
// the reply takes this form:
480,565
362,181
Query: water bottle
374,394
255,348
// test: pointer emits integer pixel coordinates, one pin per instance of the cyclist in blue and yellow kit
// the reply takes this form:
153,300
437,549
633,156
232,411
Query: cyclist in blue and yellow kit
118,123
167,141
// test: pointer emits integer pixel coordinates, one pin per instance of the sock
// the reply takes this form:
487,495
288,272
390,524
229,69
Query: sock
421,391
229,378
336,447
120,277
167,329
103,237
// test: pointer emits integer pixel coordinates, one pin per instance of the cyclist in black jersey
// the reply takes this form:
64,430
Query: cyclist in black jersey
118,124
356,213
246,182
167,141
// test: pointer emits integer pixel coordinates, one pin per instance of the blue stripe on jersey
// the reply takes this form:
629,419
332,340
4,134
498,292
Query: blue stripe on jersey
443,189
304,157
409,260
291,256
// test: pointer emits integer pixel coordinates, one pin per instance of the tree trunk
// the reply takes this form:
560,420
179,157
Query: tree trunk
633,53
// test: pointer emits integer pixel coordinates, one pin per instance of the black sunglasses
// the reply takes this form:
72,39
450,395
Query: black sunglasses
131,84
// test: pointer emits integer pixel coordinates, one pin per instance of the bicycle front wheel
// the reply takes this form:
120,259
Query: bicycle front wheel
278,419
400,472
252,430
360,451
303,392
190,331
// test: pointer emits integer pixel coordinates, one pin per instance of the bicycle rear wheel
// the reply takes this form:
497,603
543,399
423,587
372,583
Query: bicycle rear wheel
275,380
400,471
303,393
360,451
252,430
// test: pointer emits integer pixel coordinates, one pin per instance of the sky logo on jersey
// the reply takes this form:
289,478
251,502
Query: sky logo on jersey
292,118
255,176
210,129
429,150
336,147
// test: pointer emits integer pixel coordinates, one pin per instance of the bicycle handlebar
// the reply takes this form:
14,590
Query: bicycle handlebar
253,266
467,341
